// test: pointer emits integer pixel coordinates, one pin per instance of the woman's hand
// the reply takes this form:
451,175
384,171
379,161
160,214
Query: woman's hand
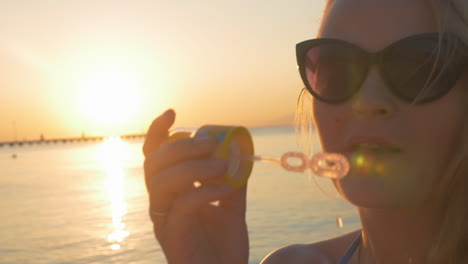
189,228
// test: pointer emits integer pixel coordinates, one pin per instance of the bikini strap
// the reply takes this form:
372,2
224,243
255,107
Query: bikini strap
350,251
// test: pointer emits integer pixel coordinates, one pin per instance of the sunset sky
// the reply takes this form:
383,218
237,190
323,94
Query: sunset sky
109,67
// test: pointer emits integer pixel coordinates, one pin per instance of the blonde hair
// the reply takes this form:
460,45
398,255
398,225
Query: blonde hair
450,245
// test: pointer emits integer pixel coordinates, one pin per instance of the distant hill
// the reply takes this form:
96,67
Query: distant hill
286,120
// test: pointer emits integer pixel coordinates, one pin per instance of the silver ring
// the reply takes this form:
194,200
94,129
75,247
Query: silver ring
157,213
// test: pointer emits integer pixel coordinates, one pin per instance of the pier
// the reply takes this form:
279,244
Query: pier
65,140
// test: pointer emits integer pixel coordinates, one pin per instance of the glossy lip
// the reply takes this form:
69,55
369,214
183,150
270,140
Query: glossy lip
352,142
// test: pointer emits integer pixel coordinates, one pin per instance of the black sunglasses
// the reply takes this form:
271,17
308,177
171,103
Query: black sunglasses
423,67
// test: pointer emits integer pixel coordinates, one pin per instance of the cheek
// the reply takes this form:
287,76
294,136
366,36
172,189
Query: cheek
436,132
435,135
329,122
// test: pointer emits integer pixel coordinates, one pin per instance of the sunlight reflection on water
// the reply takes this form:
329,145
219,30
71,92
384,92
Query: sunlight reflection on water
87,203
111,154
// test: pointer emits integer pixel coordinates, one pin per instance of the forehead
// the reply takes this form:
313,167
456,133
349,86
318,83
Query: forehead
374,24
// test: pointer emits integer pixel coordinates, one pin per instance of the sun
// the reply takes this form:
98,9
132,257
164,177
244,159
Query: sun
109,96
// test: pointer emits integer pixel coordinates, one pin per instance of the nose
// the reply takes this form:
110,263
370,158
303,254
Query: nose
373,99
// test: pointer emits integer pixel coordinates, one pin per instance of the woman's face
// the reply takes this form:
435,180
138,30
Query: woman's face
426,134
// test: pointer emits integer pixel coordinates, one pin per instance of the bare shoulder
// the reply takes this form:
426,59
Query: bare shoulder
323,252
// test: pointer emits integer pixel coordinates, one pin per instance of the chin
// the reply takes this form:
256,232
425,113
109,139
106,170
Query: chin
368,193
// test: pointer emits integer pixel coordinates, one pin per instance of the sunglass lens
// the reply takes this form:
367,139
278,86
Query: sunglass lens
415,73
334,71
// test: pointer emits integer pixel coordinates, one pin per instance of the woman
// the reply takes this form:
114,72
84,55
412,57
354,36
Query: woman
389,82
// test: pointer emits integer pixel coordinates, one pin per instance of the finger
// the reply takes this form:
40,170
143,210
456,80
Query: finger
188,172
190,203
173,153
158,131
170,183
185,207
160,219
236,201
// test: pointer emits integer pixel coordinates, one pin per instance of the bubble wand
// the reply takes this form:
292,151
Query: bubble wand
329,165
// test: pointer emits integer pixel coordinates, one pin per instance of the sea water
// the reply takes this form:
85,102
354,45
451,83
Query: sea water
87,203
